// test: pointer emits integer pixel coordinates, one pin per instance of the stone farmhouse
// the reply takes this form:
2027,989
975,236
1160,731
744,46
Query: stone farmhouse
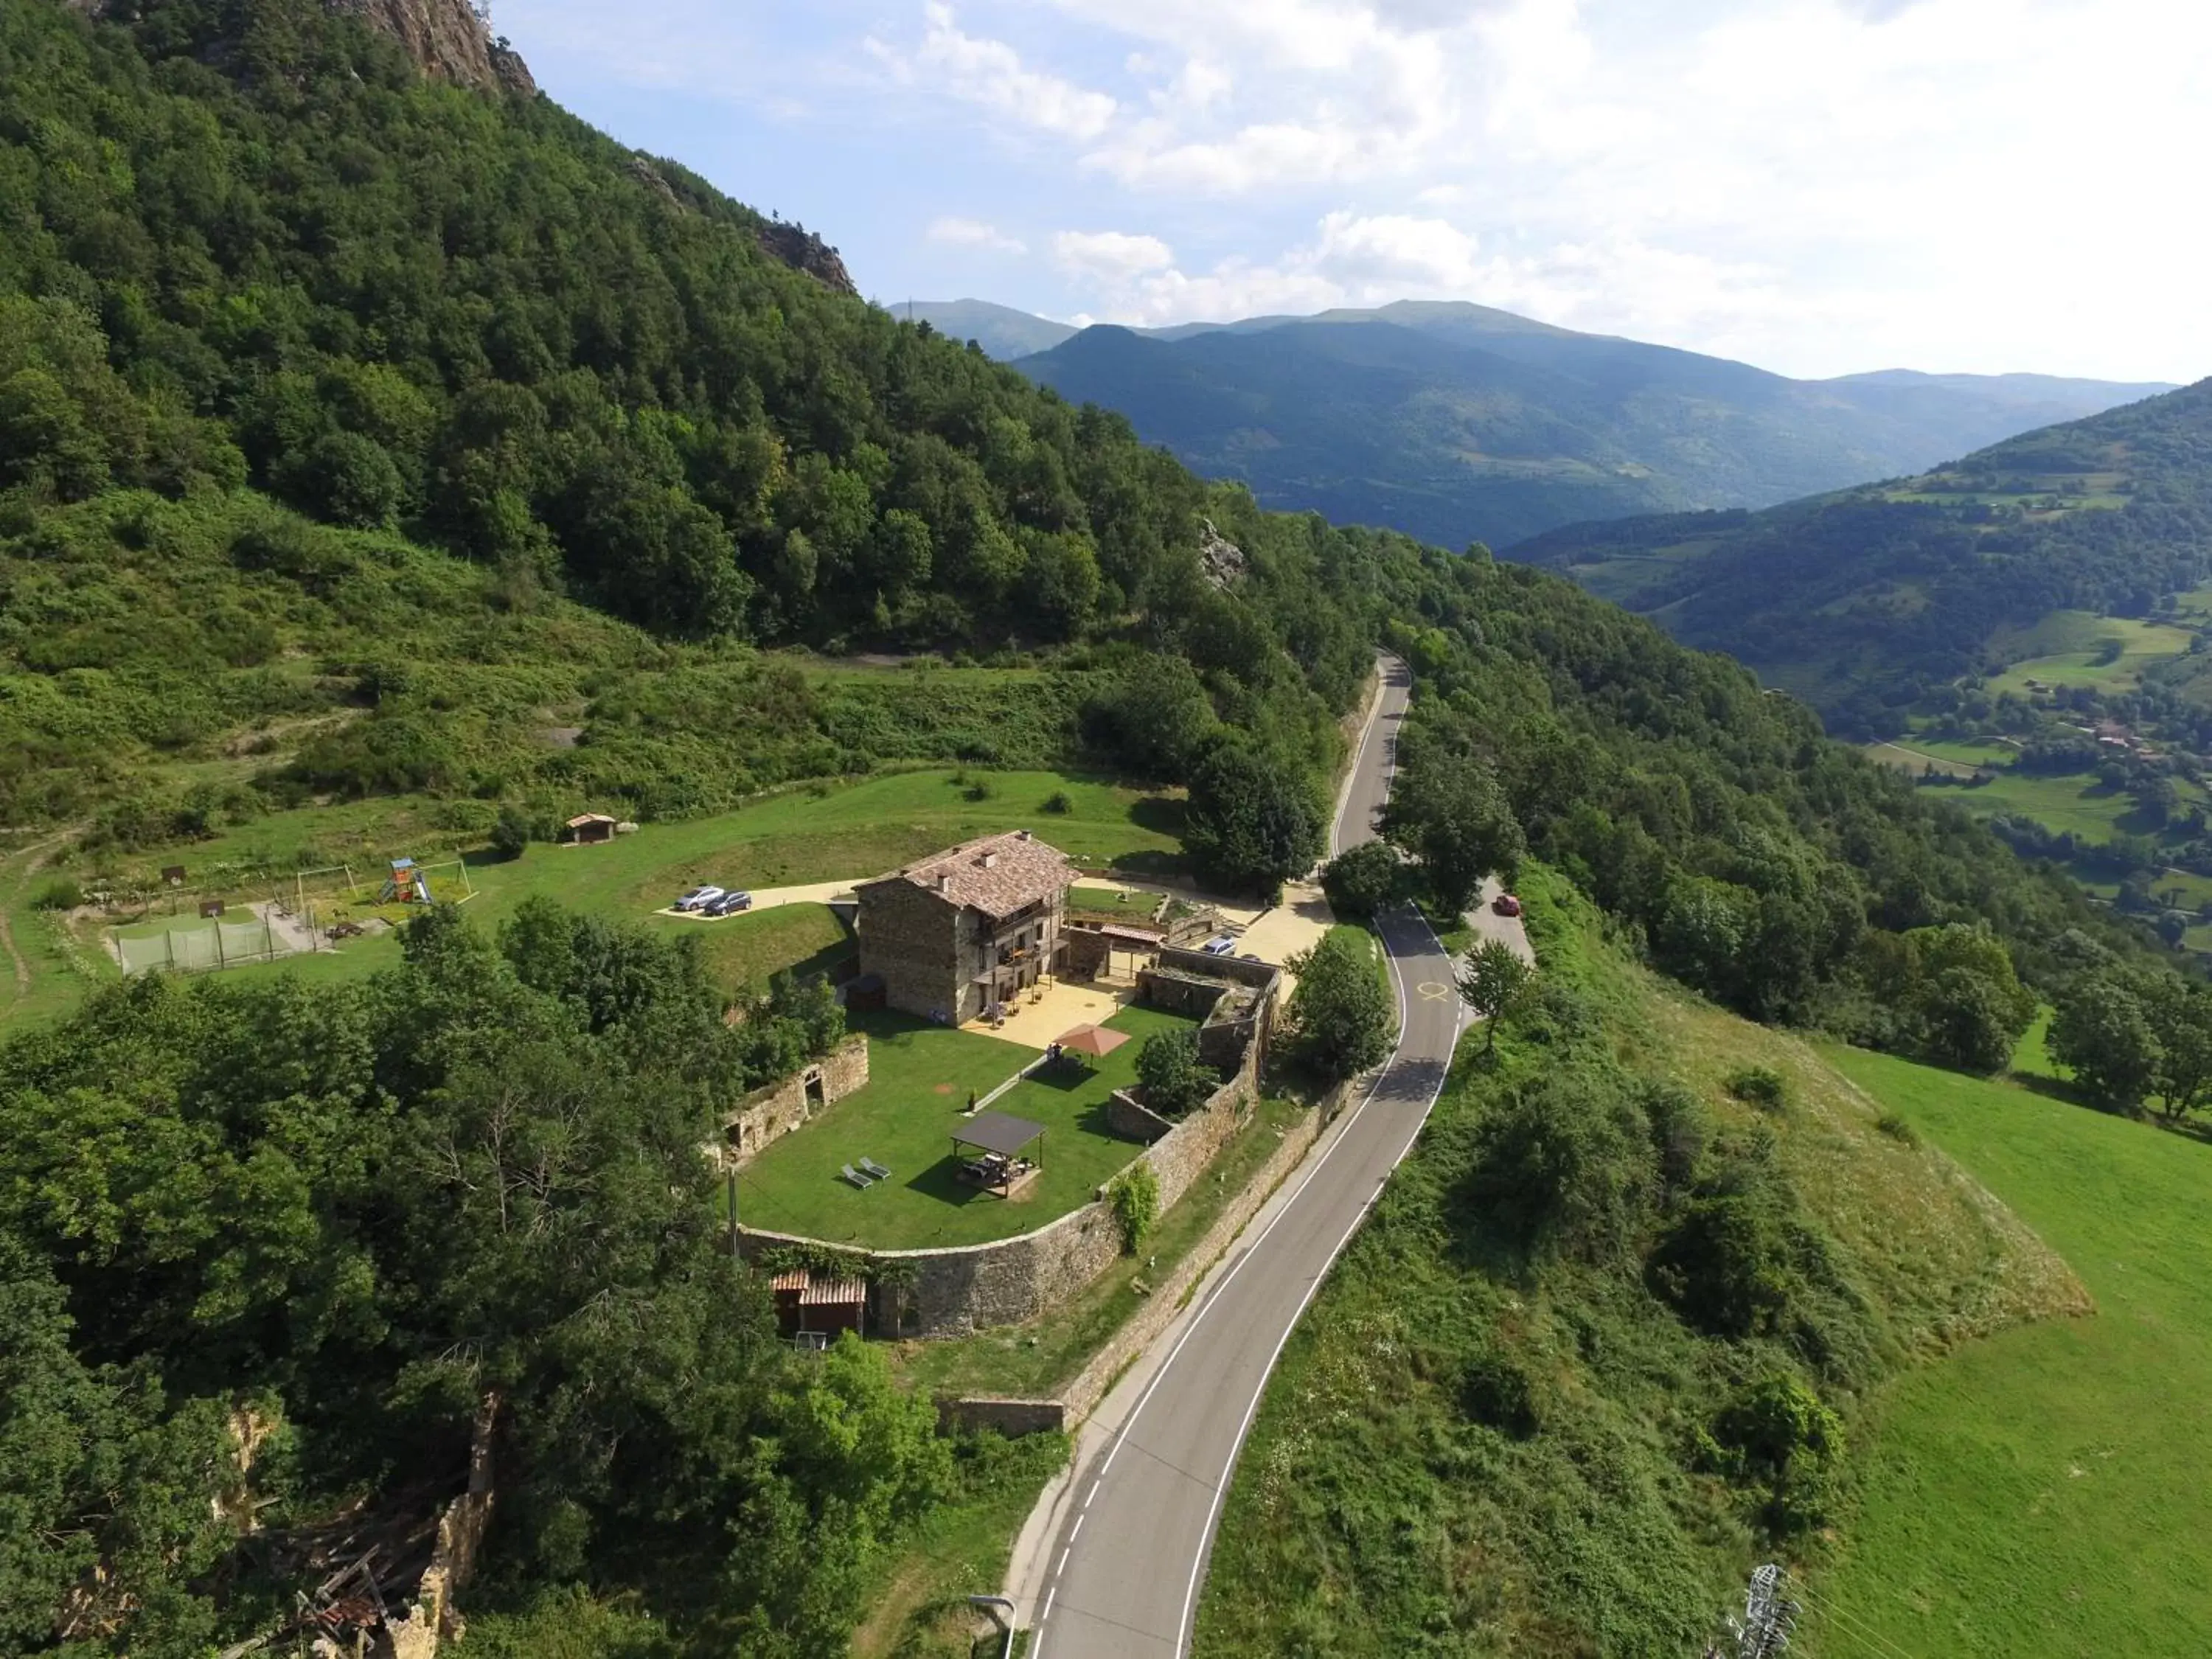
975,925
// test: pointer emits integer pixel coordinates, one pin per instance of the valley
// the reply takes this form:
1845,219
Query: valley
1458,423
1053,1183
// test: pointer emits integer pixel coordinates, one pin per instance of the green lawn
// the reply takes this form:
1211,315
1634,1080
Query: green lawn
2064,649
819,833
752,947
1109,899
2049,1490
2075,801
1032,1361
1918,759
919,1079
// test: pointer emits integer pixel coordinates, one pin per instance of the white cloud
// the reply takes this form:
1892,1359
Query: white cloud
1110,256
1614,285
1819,185
956,232
991,73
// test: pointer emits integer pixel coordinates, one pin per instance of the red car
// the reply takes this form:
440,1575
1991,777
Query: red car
1506,905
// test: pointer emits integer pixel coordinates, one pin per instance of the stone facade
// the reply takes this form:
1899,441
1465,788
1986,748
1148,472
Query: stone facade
768,1114
976,924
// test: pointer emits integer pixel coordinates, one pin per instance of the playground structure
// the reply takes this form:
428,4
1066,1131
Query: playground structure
324,907
408,883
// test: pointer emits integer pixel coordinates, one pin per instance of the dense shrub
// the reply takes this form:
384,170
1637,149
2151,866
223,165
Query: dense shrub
1135,1197
1363,881
1778,1434
1565,1164
1760,1086
1173,1078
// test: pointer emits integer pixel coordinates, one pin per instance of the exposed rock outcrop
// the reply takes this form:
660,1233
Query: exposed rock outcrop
802,250
448,40
1221,559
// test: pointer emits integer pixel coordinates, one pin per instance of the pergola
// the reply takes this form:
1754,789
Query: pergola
1001,1137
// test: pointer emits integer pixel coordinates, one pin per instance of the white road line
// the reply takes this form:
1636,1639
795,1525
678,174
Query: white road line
1078,1533
1344,1134
1244,1428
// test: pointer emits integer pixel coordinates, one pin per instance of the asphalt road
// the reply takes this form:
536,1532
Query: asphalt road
1130,1551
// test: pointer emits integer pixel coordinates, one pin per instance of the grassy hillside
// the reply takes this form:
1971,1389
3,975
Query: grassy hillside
1504,1426
2046,1493
1864,599
828,831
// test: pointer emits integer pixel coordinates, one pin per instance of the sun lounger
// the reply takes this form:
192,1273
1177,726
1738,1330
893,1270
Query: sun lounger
874,1171
856,1178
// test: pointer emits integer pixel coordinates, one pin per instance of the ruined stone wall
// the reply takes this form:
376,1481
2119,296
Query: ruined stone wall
1183,993
768,1114
1010,1282
1130,1118
911,937
1086,955
973,1287
1182,1155
1260,975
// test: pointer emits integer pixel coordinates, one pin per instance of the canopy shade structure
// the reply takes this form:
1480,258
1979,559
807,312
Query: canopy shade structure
998,1131
1094,1040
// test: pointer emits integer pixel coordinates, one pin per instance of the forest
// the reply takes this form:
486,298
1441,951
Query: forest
382,423
1874,596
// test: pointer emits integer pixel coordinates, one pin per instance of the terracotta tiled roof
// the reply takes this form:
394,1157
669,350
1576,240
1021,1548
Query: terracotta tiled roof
998,875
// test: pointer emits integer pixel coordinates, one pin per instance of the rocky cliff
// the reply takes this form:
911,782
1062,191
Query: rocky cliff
449,40
802,250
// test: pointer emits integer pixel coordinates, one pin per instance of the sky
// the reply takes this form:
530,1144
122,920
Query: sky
1817,186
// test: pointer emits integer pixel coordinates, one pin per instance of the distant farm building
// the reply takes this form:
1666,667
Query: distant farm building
587,828
975,925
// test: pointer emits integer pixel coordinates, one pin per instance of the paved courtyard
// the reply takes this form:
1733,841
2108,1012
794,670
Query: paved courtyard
1062,1005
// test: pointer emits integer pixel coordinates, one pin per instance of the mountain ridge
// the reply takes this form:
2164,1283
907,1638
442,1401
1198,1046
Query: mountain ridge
1457,423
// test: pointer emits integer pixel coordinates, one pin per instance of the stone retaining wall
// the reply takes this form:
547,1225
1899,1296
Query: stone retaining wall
970,1287
1129,1117
768,1114
1081,1396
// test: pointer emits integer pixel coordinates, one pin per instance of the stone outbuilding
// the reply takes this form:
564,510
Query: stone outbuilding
975,925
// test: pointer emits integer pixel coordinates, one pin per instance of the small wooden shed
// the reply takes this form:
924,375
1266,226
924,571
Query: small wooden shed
589,829
810,1305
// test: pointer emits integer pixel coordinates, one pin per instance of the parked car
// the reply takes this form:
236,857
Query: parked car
697,899
728,905
1506,905
1218,946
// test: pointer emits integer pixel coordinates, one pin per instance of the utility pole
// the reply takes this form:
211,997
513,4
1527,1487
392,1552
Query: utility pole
1764,1631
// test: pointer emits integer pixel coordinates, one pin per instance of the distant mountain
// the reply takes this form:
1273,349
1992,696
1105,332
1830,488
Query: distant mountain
1861,601
1002,331
1459,423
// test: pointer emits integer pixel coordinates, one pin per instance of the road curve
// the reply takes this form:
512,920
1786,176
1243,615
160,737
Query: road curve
1123,1567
